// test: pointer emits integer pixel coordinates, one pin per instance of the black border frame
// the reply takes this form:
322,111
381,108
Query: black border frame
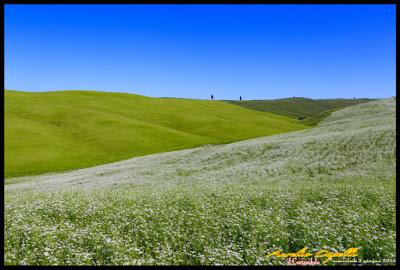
351,2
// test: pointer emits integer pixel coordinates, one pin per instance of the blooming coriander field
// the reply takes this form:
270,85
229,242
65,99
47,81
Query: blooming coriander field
331,187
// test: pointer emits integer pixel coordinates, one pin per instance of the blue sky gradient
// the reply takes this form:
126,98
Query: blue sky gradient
192,51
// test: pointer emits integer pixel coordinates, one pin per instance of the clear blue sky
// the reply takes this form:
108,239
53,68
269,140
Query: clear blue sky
257,51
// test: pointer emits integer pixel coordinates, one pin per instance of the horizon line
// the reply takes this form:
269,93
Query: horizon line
236,99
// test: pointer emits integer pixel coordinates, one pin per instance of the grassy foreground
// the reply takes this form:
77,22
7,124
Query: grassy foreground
309,111
332,187
57,131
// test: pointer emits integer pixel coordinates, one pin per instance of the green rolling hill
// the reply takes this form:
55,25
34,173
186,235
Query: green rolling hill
63,130
308,111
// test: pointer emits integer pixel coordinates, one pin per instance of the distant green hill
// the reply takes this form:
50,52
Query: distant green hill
308,111
56,131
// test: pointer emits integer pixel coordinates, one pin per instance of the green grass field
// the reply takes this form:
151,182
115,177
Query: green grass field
57,131
330,187
308,111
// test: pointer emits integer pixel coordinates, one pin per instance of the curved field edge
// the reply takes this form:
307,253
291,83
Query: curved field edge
65,130
308,111
332,187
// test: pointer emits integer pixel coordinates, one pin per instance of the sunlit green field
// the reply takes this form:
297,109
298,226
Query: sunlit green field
58,131
331,187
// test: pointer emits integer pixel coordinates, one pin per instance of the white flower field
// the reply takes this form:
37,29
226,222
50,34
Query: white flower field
330,187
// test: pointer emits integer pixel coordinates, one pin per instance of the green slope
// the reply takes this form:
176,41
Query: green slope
309,111
55,131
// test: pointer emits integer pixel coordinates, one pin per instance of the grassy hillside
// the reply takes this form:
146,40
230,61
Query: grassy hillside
64,130
309,111
331,187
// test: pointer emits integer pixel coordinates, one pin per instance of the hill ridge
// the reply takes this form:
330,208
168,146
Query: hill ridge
62,130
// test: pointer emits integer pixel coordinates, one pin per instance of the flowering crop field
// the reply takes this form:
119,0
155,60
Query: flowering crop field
330,187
